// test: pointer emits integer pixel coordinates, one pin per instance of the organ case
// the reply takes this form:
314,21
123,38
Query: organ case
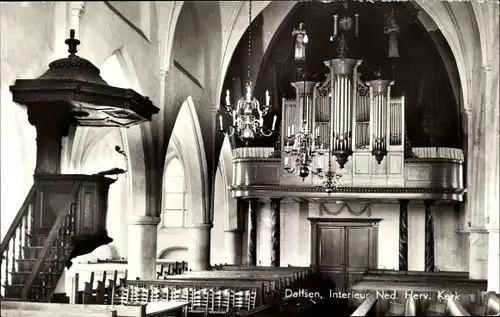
353,115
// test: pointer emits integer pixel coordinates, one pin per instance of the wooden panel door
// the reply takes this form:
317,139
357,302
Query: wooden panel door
343,249
331,253
359,253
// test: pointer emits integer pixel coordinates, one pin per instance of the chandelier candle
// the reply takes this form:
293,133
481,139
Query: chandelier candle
356,26
335,21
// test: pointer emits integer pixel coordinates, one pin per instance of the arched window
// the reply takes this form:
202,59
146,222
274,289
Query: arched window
174,214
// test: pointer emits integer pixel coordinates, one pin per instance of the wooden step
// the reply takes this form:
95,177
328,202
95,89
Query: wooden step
433,313
41,230
14,290
28,264
37,239
22,276
32,252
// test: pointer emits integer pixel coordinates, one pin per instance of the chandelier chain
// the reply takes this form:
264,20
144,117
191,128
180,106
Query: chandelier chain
249,39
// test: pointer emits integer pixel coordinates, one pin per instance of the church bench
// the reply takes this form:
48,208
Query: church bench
206,297
170,268
449,307
100,294
284,279
367,306
299,273
418,285
253,312
269,284
491,305
414,276
233,267
460,274
32,309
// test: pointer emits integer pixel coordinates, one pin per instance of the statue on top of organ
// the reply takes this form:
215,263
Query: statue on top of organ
342,118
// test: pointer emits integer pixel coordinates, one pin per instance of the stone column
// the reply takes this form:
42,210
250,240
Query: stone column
233,245
76,8
252,232
403,235
143,236
52,122
199,246
233,235
275,231
491,180
493,261
429,236
477,175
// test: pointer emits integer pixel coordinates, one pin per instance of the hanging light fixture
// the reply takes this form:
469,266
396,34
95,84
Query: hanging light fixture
304,145
247,115
331,178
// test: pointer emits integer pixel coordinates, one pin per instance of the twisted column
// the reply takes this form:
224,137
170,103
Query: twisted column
403,235
429,235
252,232
275,231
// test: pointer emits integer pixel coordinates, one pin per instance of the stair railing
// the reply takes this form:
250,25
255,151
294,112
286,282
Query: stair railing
16,237
51,262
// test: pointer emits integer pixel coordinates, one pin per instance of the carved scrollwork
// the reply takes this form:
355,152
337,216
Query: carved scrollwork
324,88
362,88
366,209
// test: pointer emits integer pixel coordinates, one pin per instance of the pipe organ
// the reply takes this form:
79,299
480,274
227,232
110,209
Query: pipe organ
357,122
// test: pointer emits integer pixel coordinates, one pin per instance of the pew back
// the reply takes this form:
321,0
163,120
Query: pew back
203,295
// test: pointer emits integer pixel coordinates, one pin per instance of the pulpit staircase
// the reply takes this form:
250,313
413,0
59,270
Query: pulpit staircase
34,256
59,215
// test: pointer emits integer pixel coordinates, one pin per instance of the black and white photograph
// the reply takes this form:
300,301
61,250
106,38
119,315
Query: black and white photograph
307,158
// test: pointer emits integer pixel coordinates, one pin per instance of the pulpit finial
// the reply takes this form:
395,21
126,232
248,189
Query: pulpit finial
72,42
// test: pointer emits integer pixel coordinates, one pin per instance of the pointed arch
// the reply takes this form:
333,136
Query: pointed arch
226,168
118,71
188,131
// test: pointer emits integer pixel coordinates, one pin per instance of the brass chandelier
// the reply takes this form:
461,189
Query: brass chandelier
248,114
303,146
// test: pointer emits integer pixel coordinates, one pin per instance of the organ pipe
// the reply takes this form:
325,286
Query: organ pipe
380,116
341,80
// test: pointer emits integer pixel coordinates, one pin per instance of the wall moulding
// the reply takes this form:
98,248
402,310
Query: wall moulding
349,193
345,206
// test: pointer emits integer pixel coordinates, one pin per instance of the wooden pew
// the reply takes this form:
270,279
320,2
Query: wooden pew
454,308
100,294
268,284
490,305
204,296
367,306
296,275
170,268
450,307
31,309
428,289
283,279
